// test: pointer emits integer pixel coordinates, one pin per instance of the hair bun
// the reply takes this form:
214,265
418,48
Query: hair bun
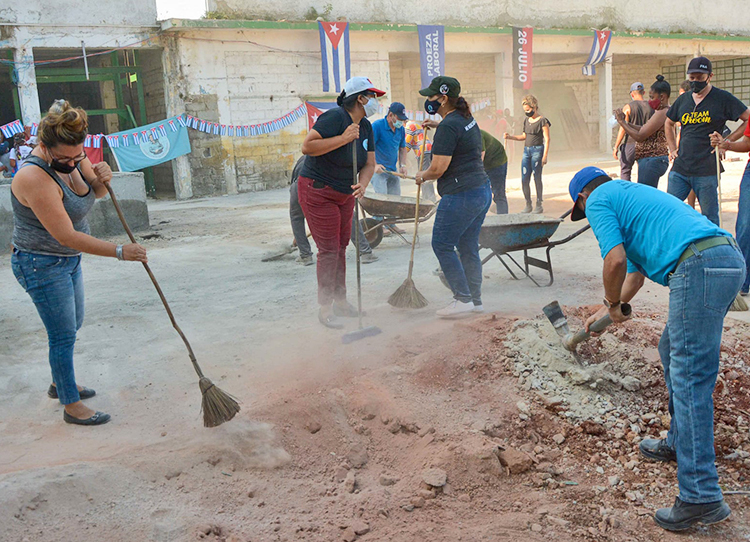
660,78
63,124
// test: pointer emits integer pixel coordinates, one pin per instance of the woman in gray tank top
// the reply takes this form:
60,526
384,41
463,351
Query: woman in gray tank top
51,196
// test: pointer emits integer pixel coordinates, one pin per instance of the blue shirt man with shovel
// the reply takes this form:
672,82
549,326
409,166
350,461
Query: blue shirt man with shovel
645,233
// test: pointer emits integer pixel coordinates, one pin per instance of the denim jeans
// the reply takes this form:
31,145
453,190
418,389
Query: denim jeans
497,182
458,220
743,223
55,285
297,218
705,187
386,183
532,163
651,169
627,159
700,292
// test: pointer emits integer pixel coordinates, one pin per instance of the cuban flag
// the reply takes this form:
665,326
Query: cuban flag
334,54
599,50
315,110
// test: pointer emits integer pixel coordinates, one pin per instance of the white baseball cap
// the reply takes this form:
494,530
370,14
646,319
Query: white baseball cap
355,85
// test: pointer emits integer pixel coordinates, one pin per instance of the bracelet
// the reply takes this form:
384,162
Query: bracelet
118,252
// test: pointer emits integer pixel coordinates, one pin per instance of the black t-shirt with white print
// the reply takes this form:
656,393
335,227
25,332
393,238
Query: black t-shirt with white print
459,137
694,157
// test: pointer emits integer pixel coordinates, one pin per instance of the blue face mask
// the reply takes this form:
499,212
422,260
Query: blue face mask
398,124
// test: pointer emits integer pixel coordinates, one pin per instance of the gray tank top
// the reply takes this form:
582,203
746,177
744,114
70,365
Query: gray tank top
28,233
640,113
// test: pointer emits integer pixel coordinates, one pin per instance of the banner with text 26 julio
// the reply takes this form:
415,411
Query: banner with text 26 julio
522,57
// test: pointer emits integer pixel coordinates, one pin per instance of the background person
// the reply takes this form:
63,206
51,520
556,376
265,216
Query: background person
685,87
51,196
465,191
5,146
704,110
647,233
651,151
390,154
495,163
637,113
326,192
19,152
535,151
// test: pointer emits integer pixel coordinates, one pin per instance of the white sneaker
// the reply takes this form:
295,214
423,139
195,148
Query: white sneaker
478,308
455,308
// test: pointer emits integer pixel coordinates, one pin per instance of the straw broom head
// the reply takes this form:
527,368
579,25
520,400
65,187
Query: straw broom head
217,406
407,297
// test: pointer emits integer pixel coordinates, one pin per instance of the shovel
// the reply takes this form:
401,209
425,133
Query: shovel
571,340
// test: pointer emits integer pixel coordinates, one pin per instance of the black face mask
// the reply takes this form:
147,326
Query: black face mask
62,167
431,106
529,113
698,86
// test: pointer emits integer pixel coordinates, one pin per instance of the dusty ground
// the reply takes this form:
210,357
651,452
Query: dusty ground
333,441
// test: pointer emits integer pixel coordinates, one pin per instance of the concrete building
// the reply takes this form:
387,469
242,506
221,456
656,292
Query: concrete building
236,69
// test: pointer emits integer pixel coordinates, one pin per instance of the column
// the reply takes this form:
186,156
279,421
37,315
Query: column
28,95
605,104
504,97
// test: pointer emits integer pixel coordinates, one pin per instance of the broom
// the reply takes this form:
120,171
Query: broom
407,296
739,304
216,405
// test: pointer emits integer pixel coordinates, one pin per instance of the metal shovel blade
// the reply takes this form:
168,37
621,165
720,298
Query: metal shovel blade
555,315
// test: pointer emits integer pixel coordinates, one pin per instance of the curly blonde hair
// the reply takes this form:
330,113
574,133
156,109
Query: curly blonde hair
63,125
531,101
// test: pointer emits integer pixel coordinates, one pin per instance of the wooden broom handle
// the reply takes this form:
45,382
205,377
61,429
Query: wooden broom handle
416,209
156,284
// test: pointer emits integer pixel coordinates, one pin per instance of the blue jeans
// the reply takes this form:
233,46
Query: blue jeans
458,220
743,223
651,169
700,292
532,163
497,182
386,183
55,285
705,187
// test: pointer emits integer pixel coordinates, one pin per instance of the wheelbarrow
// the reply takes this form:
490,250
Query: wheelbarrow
504,234
393,210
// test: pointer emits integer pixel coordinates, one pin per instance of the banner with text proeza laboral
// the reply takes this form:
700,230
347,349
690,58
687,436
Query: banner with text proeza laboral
522,57
431,52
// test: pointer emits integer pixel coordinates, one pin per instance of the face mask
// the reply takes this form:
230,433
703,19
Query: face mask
371,107
62,167
431,106
655,104
398,124
698,86
529,113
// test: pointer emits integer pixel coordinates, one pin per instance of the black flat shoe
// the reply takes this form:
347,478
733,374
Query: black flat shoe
330,321
85,393
684,515
657,450
100,418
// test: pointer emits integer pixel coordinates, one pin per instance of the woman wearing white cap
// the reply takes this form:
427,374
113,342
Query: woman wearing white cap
327,192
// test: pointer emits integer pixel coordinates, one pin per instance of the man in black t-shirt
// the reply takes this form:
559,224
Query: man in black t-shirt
701,112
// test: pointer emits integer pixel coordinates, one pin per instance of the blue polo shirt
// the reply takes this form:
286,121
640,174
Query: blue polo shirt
387,143
654,227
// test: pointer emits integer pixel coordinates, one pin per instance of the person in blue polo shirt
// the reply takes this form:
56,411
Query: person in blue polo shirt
643,232
390,150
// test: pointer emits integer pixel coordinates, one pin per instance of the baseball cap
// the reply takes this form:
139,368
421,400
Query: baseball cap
447,86
578,183
398,109
355,85
700,64
637,87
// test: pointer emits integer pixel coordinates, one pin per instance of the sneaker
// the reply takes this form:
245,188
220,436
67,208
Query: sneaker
657,450
304,260
368,257
684,515
527,209
478,308
744,293
538,209
455,308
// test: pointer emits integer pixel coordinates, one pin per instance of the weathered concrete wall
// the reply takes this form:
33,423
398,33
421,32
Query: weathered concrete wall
82,13
719,16
131,194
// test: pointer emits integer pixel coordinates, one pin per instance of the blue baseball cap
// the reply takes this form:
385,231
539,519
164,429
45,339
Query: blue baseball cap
579,182
399,110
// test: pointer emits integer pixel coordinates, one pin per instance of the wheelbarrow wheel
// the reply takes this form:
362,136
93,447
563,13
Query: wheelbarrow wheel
375,235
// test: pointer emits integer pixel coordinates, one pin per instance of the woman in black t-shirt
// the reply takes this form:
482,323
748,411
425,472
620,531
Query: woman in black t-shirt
327,188
536,148
465,190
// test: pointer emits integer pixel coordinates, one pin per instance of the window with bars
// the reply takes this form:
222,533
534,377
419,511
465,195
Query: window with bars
731,75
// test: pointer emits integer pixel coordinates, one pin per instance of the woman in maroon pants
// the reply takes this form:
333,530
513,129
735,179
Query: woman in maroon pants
326,189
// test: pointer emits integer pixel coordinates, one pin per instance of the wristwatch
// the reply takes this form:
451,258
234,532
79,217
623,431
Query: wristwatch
611,305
